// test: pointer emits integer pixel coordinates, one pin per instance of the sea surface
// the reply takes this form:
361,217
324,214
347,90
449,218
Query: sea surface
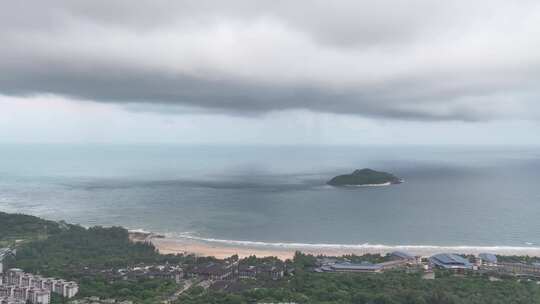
452,196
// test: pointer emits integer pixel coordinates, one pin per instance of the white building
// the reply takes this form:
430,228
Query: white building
11,300
59,287
6,291
70,289
48,284
3,253
39,296
14,276
17,285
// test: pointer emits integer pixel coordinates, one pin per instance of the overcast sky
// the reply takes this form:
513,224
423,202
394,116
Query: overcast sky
273,72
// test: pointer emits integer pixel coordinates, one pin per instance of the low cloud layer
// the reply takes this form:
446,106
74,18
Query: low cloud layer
414,60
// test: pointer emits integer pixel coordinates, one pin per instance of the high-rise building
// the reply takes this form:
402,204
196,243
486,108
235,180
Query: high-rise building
17,286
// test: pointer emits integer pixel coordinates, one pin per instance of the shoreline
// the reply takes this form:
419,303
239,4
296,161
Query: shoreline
224,248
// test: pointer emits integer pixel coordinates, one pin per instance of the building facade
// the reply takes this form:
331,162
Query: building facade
16,285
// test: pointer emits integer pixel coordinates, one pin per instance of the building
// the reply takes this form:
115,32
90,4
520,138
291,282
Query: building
397,259
34,289
215,271
519,269
65,289
6,291
401,255
48,284
450,261
247,271
14,276
70,290
3,253
20,293
17,294
352,267
393,264
400,259
39,296
37,282
274,272
27,280
11,300
488,259
59,287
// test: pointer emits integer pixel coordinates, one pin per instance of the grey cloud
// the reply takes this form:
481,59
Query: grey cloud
413,60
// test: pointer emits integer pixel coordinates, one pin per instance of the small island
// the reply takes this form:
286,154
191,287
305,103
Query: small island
365,177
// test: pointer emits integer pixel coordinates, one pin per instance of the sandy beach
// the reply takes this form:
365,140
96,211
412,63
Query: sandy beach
220,249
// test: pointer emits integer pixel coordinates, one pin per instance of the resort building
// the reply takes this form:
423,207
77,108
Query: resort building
274,271
519,269
450,261
397,259
247,271
404,256
488,259
352,267
215,271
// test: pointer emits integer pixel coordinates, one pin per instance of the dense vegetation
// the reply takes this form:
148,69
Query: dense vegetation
386,288
82,254
15,227
69,253
140,291
364,177
75,253
85,255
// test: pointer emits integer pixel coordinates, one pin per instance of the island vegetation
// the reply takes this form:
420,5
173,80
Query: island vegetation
364,177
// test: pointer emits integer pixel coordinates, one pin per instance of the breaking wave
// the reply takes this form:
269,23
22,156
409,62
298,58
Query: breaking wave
359,247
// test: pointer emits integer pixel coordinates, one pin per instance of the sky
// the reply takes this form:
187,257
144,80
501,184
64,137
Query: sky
270,72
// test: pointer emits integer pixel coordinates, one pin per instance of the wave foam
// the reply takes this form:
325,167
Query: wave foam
139,231
364,246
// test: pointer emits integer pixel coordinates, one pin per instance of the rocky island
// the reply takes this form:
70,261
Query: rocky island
365,177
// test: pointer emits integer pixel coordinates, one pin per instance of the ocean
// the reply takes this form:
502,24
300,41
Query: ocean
452,195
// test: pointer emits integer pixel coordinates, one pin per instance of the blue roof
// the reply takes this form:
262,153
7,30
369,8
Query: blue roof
489,257
403,255
450,260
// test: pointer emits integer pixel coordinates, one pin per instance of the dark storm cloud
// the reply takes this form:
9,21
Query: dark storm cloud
395,59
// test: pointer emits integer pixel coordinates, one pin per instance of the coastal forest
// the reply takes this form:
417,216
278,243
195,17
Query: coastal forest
85,254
